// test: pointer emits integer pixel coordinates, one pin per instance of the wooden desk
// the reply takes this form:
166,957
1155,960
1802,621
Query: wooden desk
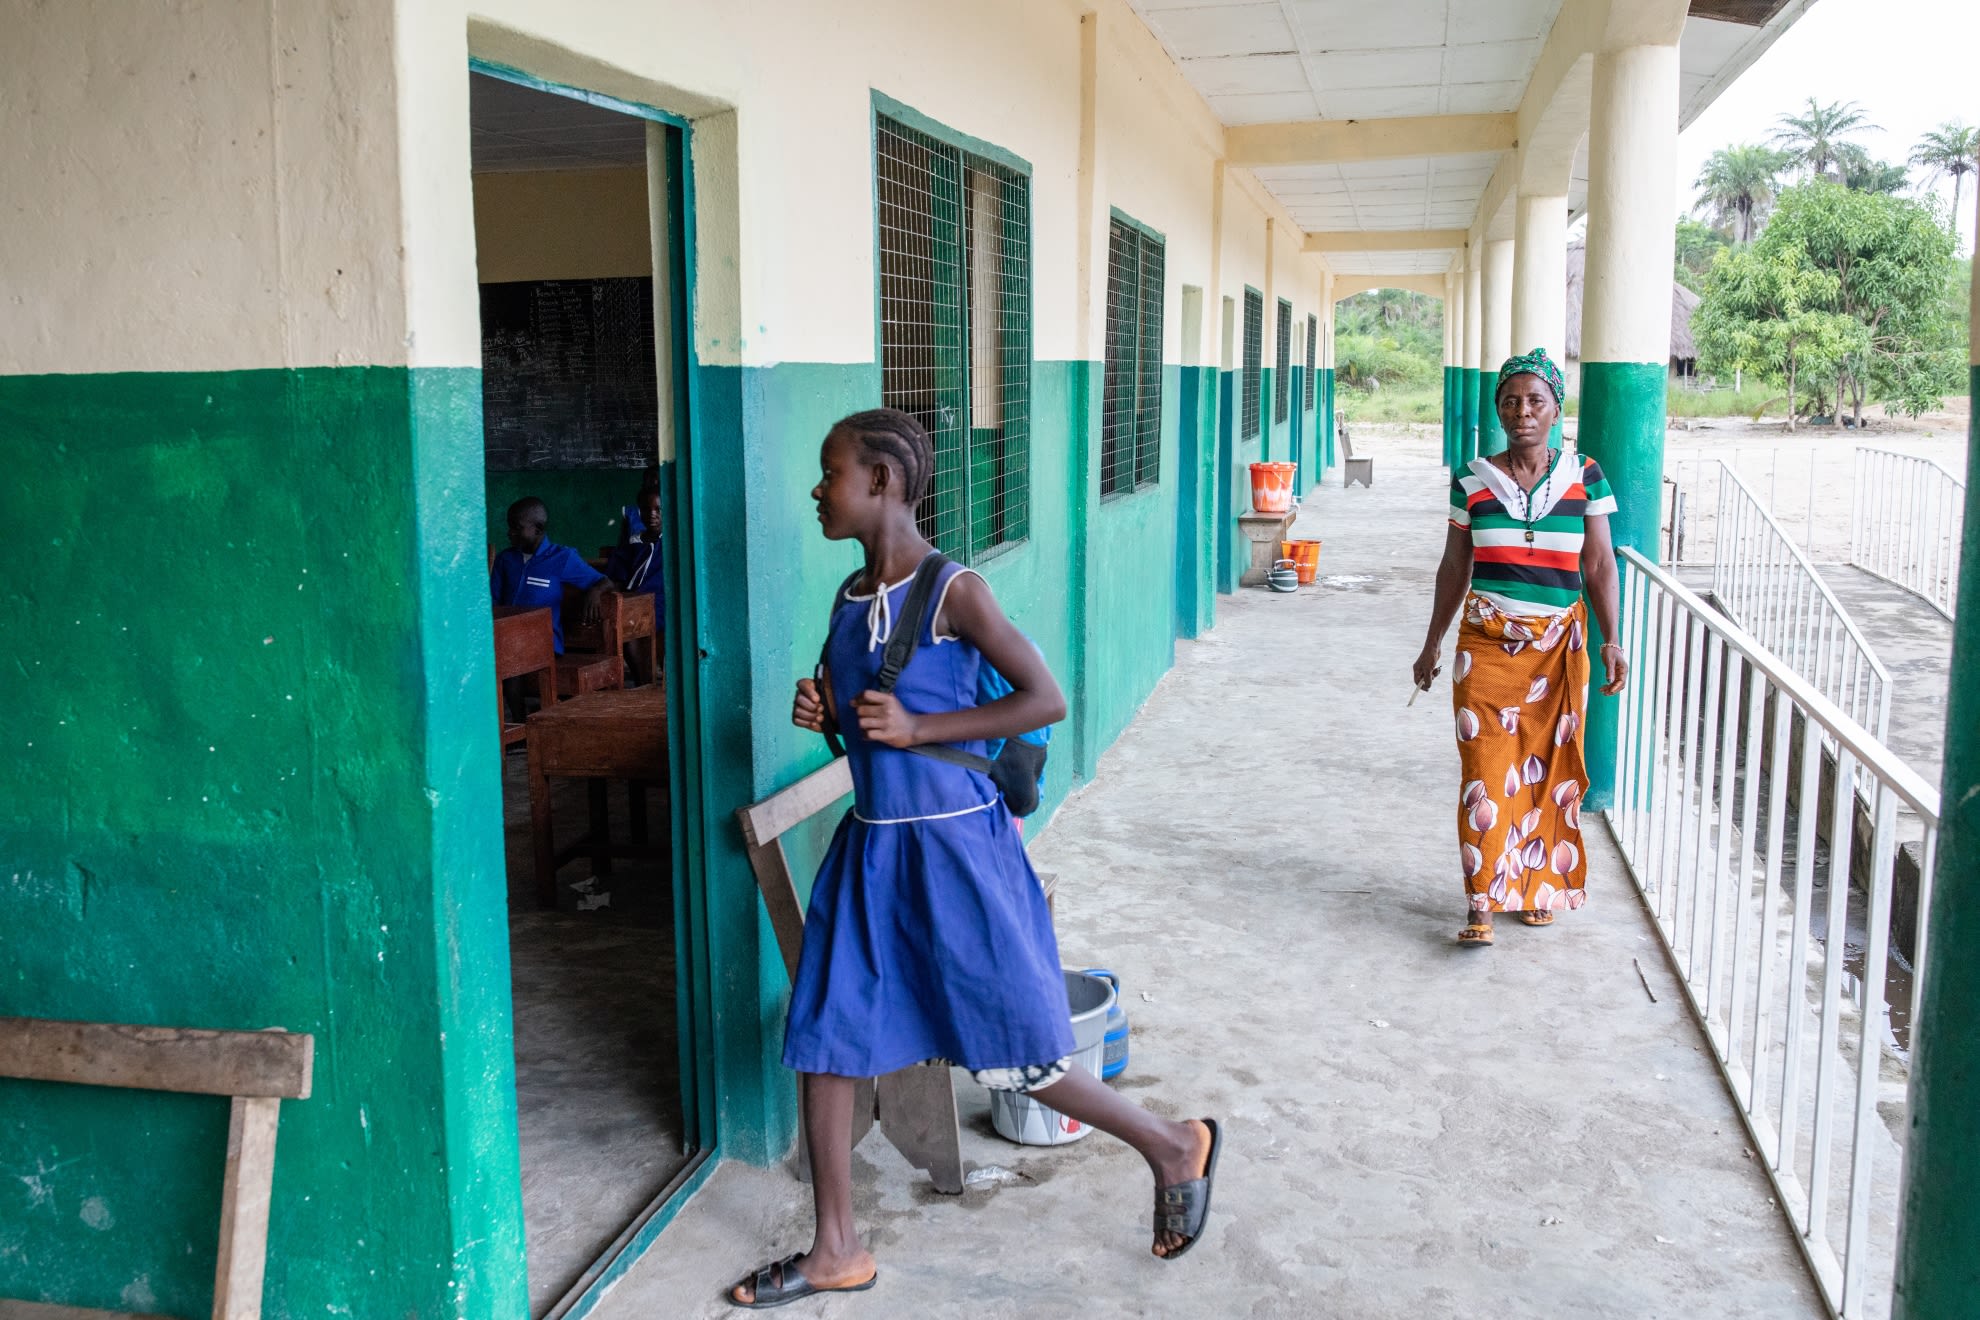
619,734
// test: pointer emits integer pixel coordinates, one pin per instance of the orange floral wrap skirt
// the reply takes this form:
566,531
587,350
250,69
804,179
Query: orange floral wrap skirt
1520,692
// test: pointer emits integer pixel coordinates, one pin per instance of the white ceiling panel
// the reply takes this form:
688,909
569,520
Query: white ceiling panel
1226,75
1493,61
1481,98
1378,68
1378,103
1329,25
1200,33
1270,108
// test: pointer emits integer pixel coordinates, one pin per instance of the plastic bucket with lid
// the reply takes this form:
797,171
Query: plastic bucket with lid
1271,487
1022,1119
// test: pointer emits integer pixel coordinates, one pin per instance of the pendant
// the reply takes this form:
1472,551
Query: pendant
1529,536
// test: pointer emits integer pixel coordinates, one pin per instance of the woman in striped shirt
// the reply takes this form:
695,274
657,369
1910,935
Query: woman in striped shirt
1529,535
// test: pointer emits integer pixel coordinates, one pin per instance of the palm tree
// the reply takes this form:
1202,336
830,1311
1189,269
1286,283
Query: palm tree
1862,172
1817,138
1951,148
1737,186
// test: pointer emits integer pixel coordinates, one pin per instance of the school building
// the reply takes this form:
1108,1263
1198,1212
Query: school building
325,287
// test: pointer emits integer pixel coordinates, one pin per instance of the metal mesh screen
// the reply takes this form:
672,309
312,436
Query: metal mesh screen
1254,348
955,330
1312,337
1282,376
1131,385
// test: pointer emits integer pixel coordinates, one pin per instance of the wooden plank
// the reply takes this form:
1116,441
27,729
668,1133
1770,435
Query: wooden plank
237,1063
244,1200
773,880
11,1310
766,821
917,1109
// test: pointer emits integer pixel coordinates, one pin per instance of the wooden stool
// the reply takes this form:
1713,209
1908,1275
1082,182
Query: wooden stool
915,1106
257,1069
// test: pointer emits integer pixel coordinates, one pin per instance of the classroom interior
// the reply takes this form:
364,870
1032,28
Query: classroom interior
565,258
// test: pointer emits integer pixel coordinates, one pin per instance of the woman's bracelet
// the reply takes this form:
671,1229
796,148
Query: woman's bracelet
1613,646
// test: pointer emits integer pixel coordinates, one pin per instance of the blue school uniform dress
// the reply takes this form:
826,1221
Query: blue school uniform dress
540,580
927,936
640,567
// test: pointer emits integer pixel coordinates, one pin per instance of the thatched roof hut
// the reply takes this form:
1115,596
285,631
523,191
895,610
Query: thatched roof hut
1684,349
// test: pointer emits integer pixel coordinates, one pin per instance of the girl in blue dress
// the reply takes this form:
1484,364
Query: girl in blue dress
927,935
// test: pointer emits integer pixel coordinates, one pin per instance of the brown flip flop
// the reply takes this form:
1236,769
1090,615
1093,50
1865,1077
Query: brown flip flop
1475,936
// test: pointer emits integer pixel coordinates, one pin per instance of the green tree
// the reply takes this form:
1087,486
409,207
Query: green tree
1697,244
1951,148
1814,139
1892,263
1737,186
1766,309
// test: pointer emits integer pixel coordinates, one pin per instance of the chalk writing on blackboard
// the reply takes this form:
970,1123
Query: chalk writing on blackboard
567,375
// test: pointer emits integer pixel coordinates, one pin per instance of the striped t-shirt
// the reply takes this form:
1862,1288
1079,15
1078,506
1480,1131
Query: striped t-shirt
1541,575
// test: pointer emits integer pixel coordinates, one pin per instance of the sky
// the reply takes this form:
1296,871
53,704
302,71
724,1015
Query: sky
1909,63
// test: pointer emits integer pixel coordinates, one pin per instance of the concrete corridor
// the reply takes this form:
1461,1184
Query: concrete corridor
1413,1130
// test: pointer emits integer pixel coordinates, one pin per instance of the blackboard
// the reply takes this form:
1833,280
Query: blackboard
567,375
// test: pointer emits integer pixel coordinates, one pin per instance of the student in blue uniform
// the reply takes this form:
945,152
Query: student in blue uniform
637,567
534,570
927,935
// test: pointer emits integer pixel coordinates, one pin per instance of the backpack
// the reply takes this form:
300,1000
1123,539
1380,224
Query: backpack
1019,764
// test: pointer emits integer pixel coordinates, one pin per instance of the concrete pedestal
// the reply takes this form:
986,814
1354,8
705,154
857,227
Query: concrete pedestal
1264,531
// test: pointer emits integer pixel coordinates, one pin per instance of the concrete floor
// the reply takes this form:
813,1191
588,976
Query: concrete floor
1413,1130
1914,642
598,1106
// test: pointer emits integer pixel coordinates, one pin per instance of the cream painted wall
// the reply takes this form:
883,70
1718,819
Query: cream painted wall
561,225
166,209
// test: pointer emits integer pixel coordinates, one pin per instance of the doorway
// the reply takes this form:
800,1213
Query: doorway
579,294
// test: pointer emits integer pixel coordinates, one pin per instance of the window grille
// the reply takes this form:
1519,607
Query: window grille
1312,334
1254,331
955,330
1282,378
1131,390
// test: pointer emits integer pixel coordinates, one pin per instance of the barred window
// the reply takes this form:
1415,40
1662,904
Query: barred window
1312,335
1131,394
1282,378
955,330
1254,348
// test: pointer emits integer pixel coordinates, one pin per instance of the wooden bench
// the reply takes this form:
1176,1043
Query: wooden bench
916,1106
591,661
257,1069
1354,469
600,736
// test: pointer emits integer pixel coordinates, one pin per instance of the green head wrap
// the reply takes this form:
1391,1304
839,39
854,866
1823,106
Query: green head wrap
1536,363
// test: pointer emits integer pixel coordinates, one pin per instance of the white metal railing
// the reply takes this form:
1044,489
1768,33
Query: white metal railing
1905,518
1745,799
1766,583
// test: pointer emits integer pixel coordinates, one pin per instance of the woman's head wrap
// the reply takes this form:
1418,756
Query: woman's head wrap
1536,363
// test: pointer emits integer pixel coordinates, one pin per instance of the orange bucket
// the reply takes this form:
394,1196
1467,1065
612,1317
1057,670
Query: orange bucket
1306,558
1271,487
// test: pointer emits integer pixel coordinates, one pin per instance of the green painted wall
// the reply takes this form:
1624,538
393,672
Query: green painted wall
1622,429
1937,1272
271,800
1196,490
1491,435
1468,396
584,503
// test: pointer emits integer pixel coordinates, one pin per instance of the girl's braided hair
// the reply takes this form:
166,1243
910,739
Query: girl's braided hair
892,436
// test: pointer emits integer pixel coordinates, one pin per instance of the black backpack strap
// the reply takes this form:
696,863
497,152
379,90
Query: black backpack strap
837,747
909,623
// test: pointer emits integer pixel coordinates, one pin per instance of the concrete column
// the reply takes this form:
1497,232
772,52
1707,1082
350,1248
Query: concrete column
1450,371
1474,267
1940,1222
1330,428
1497,338
1539,289
1626,314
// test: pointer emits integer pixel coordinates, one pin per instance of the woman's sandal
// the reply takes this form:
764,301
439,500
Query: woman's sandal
1475,936
1184,1208
1541,918
788,1286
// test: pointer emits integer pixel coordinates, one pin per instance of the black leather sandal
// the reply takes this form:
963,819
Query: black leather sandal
1183,1208
788,1286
